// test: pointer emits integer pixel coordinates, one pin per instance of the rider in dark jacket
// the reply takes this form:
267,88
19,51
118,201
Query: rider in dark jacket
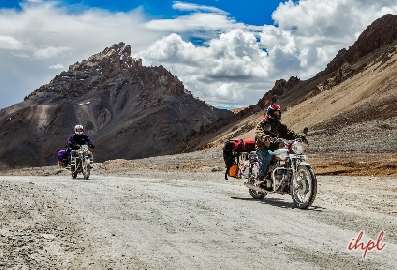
78,139
267,131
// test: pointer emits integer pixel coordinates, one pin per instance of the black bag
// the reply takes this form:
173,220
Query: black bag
229,156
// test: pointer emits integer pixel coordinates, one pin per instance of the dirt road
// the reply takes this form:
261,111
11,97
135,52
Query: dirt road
180,221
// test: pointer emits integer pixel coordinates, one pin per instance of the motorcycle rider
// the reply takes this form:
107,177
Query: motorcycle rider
267,132
78,139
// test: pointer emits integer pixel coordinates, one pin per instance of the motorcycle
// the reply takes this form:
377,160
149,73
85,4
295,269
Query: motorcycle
289,171
80,162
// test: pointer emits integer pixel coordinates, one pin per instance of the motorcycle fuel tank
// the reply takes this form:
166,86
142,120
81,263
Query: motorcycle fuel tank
281,154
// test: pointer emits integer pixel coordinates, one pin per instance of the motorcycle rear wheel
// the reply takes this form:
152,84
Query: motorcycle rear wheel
74,172
304,188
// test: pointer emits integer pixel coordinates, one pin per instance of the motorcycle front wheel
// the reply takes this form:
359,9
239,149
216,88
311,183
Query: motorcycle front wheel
74,175
86,170
304,187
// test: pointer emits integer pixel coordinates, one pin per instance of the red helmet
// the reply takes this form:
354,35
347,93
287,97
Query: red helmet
272,109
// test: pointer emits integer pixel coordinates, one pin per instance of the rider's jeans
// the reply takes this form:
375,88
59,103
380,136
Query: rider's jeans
264,158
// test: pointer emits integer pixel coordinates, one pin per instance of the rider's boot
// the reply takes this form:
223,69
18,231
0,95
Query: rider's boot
268,182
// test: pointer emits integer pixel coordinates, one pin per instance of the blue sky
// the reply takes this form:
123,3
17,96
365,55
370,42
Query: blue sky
256,12
226,52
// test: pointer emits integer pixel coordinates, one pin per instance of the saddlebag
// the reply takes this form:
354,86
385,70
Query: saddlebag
234,171
231,154
62,155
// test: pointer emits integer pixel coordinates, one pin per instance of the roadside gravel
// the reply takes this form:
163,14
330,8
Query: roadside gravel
176,220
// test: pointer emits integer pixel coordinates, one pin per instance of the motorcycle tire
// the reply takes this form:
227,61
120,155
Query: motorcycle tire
256,195
74,172
87,174
313,192
86,168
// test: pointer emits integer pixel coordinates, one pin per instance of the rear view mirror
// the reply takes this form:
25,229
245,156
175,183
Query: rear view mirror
306,130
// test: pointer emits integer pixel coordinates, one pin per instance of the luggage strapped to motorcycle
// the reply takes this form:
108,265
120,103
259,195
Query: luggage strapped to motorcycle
232,150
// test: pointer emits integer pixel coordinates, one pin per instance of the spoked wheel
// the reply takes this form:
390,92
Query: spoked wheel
253,176
86,170
73,169
304,189
86,176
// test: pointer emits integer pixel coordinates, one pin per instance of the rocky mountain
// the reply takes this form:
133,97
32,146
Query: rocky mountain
130,110
350,106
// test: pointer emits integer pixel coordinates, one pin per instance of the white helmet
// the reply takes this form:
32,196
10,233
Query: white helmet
78,130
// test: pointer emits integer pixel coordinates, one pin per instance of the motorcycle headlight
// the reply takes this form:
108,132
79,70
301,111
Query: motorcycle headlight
298,148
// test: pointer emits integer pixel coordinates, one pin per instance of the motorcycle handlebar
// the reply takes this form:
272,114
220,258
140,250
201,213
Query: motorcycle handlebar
286,142
77,146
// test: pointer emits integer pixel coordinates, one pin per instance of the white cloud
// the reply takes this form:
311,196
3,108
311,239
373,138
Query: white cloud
9,43
185,6
203,22
338,19
57,66
194,22
222,72
50,52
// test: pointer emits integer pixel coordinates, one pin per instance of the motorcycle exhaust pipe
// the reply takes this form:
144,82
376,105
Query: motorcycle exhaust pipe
257,189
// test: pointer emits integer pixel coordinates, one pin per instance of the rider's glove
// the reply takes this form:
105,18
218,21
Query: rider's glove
277,140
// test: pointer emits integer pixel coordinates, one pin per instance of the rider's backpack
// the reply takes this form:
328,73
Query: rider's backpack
231,153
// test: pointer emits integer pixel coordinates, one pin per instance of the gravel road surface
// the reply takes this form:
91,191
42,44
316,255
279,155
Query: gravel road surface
186,221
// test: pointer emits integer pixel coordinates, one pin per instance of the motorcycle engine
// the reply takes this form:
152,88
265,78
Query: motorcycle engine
279,175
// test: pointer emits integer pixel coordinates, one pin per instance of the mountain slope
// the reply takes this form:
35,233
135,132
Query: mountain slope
130,110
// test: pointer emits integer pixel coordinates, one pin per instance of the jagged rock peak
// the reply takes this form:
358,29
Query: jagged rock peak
282,84
120,51
280,88
112,68
117,55
381,32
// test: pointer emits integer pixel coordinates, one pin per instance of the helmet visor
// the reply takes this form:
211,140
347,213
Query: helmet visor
79,131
